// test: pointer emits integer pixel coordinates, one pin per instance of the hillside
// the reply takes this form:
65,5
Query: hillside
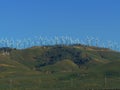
82,56
86,66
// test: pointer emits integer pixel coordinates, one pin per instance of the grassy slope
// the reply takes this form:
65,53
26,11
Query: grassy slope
61,66
17,71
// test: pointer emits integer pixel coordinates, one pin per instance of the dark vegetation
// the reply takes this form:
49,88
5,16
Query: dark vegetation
59,67
6,49
58,53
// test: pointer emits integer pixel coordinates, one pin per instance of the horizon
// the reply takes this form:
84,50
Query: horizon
62,41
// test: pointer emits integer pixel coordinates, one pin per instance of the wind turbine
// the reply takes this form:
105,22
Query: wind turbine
88,40
97,42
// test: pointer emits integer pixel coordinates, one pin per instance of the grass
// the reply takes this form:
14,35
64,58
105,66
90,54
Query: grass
62,81
18,70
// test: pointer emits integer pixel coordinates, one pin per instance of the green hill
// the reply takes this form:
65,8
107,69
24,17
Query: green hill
60,68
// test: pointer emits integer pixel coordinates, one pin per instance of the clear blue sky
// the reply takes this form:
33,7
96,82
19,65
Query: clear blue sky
76,18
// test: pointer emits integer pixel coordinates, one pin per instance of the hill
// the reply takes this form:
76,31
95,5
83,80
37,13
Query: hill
63,67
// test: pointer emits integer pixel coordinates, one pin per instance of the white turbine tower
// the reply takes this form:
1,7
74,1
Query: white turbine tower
89,40
97,42
56,40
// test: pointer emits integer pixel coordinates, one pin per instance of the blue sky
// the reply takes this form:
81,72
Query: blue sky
76,18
